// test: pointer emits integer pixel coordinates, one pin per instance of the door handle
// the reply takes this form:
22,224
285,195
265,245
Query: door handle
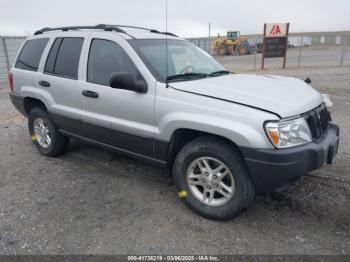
44,83
89,93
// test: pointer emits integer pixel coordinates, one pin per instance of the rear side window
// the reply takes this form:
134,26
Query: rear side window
50,62
106,58
31,53
63,59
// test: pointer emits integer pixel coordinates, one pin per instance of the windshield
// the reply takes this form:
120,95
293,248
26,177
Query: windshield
184,59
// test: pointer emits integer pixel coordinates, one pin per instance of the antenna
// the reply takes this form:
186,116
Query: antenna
166,39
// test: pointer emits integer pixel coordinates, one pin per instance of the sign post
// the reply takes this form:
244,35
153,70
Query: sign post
275,42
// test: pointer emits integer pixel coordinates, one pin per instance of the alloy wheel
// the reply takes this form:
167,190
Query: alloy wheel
210,181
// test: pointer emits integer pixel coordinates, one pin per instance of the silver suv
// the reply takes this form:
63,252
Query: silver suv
154,96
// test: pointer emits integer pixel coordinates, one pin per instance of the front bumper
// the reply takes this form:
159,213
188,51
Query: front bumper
271,169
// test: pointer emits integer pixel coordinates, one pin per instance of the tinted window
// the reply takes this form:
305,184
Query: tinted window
105,58
50,62
31,53
64,56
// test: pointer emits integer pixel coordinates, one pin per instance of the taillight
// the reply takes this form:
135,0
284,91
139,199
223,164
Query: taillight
10,77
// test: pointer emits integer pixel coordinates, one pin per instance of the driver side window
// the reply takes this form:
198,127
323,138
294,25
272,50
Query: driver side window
105,58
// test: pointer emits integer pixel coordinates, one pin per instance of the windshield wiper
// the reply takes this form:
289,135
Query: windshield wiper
219,73
189,76
186,76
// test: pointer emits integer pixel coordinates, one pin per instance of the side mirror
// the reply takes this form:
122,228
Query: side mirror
127,81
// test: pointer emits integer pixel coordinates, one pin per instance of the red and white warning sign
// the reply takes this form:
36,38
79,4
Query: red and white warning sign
275,42
276,30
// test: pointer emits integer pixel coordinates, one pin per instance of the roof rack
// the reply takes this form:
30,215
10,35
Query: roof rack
67,28
143,28
100,26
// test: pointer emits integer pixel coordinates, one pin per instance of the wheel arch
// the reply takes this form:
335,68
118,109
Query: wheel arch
30,103
182,136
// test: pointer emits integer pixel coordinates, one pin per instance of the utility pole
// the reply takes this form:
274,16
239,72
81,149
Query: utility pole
209,49
345,37
300,49
6,54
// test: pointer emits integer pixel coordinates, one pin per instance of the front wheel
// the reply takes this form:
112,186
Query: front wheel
242,50
211,176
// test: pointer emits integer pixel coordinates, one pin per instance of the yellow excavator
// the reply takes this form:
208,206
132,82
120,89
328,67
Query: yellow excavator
231,44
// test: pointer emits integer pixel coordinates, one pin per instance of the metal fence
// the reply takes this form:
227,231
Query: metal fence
9,46
308,49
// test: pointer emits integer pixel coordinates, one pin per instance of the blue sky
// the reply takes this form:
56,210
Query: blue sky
185,17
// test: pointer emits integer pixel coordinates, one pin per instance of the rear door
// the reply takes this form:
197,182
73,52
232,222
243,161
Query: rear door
27,64
60,77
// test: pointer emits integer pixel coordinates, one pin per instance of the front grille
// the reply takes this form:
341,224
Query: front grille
318,120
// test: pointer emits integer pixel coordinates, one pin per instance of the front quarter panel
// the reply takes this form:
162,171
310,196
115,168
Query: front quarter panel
241,124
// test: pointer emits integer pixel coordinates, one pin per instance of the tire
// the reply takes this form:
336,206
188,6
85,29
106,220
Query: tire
58,143
242,50
218,151
223,49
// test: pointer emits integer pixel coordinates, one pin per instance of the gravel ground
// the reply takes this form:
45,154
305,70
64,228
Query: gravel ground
91,201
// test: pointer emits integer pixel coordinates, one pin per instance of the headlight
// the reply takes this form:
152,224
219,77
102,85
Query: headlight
327,100
288,133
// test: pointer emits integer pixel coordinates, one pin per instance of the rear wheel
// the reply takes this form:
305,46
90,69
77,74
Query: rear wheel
45,135
211,176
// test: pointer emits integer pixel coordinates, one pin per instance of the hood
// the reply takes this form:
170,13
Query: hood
285,96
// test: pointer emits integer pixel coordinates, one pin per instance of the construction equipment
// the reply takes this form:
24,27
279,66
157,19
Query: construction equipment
231,44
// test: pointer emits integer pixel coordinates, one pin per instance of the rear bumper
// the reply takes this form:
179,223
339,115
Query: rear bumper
271,169
18,102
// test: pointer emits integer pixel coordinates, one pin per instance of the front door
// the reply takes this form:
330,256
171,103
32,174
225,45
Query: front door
119,118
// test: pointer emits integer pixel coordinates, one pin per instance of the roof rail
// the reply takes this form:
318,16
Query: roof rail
143,28
163,33
100,26
67,28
